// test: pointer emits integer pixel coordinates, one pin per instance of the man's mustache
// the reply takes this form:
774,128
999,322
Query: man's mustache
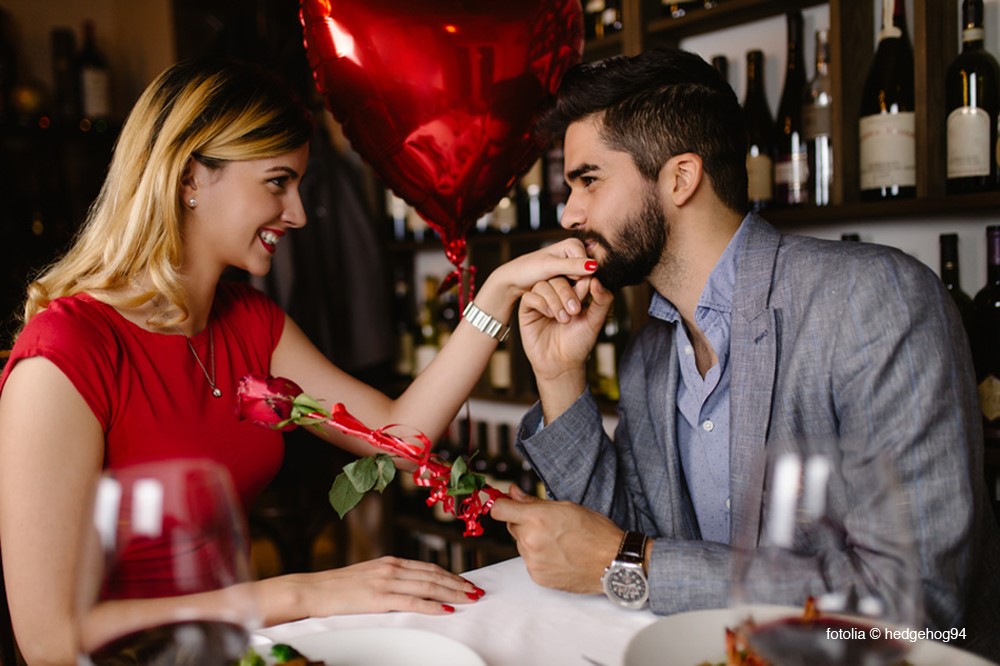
584,236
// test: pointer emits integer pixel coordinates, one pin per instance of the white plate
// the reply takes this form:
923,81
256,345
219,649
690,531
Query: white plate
689,639
383,647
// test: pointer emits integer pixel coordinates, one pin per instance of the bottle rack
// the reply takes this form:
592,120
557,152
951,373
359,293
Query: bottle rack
934,36
935,43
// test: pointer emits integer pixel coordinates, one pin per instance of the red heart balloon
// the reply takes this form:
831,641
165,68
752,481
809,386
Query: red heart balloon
440,96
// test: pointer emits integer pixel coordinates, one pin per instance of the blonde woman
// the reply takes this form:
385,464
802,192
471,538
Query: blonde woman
132,348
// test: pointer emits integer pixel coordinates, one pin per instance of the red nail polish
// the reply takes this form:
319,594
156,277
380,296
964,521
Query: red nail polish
473,595
480,591
590,265
447,609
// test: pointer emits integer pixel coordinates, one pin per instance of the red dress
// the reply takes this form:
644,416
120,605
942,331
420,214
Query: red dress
147,390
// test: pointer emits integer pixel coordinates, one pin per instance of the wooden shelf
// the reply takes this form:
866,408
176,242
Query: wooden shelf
727,14
923,207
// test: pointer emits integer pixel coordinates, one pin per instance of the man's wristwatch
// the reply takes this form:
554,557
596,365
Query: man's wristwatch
625,579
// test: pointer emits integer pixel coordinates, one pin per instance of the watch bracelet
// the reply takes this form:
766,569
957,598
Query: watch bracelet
485,322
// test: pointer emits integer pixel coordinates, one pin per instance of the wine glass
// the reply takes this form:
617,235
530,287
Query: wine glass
164,575
834,571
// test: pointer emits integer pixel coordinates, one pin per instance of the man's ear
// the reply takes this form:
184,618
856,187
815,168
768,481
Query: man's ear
683,174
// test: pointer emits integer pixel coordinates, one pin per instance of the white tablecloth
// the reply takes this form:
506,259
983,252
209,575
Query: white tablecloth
517,623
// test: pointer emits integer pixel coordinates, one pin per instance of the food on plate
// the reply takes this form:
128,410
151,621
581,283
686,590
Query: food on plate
801,635
284,655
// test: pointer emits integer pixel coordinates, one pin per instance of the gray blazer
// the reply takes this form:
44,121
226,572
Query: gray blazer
856,344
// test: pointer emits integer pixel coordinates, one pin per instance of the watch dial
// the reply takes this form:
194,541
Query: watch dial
627,584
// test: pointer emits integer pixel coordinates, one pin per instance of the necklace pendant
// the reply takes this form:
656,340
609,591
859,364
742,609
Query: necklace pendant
216,393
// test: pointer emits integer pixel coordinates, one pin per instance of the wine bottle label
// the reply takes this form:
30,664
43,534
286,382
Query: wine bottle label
96,93
605,355
760,185
423,355
500,374
793,171
888,150
817,121
415,223
968,142
989,397
976,34
404,354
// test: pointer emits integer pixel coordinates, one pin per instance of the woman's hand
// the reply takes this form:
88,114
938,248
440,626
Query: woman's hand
376,586
564,263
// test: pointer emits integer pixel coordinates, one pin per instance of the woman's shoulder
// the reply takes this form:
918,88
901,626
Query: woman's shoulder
77,317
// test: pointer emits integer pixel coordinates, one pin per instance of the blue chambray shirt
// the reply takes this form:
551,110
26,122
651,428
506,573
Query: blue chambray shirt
702,412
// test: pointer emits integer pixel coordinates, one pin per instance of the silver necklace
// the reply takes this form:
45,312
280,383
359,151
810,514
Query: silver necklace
216,391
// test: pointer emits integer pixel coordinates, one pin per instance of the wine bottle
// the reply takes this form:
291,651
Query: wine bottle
601,18
396,210
530,196
817,125
448,316
791,159
416,225
504,215
481,463
721,65
449,448
760,125
556,189
887,125
427,343
501,370
404,314
66,95
506,465
603,362
950,277
985,334
95,84
972,100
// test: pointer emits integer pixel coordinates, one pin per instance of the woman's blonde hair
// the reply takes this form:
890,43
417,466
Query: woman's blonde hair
213,112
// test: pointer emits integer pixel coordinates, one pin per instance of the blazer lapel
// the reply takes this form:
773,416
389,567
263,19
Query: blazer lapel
753,355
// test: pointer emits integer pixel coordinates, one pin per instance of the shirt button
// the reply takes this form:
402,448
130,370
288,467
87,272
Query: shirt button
688,350
727,504
708,426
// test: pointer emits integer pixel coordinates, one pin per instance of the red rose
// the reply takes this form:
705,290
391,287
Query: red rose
267,400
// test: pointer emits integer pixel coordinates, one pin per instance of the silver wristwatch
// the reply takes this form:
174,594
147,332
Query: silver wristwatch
625,578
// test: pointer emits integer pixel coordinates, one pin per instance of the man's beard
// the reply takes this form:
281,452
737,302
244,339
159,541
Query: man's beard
639,246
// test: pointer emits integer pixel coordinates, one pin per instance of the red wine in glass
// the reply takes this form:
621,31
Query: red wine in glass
194,643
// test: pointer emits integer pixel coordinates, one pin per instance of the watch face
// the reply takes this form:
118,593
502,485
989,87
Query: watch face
626,585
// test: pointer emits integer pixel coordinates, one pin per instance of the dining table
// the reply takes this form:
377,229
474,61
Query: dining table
516,623
520,623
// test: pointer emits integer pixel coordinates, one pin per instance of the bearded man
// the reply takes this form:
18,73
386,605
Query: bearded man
757,342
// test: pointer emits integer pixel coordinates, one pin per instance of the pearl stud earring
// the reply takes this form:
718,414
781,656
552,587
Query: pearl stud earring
192,202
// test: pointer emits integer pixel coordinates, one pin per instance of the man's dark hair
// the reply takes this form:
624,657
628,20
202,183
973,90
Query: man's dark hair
658,104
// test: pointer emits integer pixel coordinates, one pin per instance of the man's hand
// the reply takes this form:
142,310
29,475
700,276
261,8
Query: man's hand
558,342
564,545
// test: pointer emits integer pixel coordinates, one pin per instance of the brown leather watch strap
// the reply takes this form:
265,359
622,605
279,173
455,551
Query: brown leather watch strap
632,548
